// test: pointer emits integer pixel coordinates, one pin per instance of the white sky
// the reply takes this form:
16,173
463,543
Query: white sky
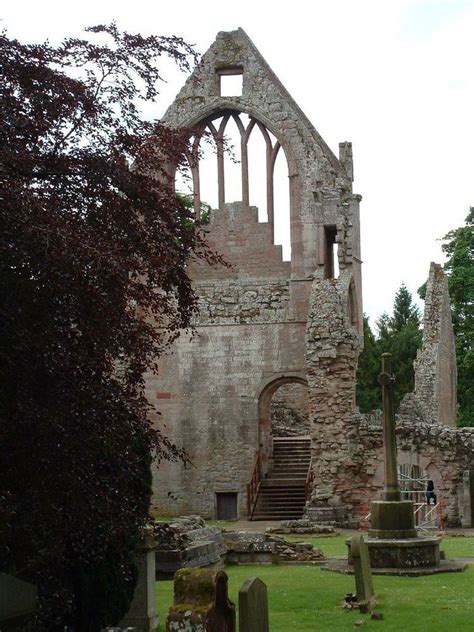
395,77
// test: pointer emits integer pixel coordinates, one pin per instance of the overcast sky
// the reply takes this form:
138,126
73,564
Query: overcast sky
395,77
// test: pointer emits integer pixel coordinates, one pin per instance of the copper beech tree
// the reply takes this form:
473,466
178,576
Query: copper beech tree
93,252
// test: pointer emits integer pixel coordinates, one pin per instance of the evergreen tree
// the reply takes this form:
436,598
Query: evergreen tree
404,312
459,247
368,391
398,334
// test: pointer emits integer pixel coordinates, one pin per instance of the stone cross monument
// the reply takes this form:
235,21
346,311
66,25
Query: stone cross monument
386,380
393,540
390,517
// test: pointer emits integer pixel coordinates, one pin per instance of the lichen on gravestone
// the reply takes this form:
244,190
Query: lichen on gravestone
201,602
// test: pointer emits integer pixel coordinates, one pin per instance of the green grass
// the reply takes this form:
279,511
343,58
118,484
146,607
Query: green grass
458,547
336,547
305,598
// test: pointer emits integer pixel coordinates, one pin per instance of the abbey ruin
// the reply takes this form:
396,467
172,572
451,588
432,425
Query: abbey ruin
280,331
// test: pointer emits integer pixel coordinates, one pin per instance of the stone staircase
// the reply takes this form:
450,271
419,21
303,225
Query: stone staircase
282,492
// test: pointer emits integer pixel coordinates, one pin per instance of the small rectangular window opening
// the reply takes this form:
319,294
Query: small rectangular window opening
331,261
230,82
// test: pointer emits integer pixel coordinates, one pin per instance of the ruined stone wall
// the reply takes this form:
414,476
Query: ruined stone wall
348,446
312,166
444,453
290,411
207,390
435,364
250,334
331,354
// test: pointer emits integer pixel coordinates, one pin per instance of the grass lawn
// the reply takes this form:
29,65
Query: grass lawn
307,599
335,546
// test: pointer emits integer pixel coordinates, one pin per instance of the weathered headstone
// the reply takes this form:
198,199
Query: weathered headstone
142,615
17,602
201,602
363,576
253,606
467,499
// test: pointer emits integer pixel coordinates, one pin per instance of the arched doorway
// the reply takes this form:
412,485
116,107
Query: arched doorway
284,450
282,411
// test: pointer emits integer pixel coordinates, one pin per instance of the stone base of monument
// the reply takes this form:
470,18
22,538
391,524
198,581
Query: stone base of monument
416,552
394,546
445,566
393,541
392,519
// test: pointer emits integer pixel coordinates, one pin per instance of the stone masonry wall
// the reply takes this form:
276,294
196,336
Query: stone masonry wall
290,411
347,446
312,165
207,391
331,355
444,453
250,334
435,365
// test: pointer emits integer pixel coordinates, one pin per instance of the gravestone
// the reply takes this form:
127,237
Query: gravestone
467,499
17,602
363,576
201,602
253,606
142,615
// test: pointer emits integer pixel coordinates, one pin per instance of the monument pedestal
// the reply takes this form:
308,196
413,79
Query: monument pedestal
392,519
142,615
417,552
393,540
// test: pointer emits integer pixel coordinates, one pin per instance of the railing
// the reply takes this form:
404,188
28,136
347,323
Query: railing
308,484
429,517
253,488
426,516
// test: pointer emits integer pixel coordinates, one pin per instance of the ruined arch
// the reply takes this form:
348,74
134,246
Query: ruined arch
267,390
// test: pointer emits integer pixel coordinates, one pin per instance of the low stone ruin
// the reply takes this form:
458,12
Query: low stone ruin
187,542
303,526
245,547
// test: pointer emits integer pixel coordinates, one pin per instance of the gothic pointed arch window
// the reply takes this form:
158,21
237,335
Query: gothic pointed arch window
239,154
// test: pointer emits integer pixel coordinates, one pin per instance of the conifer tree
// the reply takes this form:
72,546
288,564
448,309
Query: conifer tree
398,334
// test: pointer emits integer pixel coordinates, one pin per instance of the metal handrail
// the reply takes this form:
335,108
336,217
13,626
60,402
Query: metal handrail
253,487
309,480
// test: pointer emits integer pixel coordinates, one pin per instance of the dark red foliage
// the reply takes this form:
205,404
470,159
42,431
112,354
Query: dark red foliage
93,286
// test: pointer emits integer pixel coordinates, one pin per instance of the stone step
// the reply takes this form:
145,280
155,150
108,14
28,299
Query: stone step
283,482
277,516
282,494
291,466
291,448
290,463
283,498
296,438
289,458
286,498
